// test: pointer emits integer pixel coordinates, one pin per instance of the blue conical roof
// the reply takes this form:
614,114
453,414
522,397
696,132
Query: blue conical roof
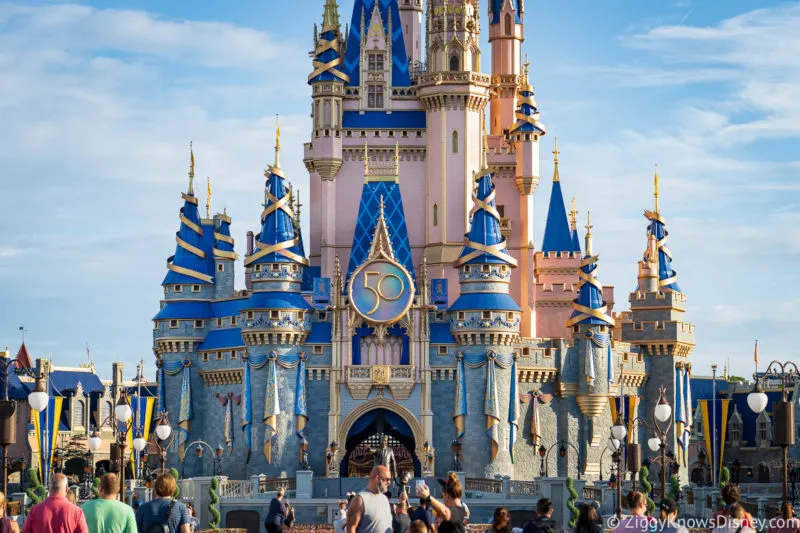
576,242
193,261
399,59
327,56
589,307
485,231
557,234
223,242
667,277
527,113
496,5
277,242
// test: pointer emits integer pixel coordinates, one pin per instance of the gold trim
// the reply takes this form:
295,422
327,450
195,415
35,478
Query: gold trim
186,246
194,227
223,238
189,198
222,254
190,273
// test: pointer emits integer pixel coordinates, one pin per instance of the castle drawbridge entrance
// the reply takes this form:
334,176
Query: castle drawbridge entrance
365,437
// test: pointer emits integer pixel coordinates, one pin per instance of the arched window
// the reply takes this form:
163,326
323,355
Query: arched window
455,142
326,114
317,115
336,114
508,24
735,432
80,414
435,214
105,414
454,64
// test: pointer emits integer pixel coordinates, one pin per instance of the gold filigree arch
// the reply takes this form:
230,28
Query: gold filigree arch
389,405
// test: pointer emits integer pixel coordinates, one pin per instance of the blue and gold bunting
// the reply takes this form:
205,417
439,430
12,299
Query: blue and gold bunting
491,407
142,417
300,410
715,418
272,406
186,414
687,399
460,404
513,410
45,427
680,412
161,406
247,410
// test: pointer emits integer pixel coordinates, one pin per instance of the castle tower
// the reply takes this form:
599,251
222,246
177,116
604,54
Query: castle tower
411,19
485,322
505,35
655,324
454,95
524,138
224,257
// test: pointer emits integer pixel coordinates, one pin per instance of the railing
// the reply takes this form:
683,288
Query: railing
593,493
484,485
229,488
522,489
376,373
505,226
454,77
272,484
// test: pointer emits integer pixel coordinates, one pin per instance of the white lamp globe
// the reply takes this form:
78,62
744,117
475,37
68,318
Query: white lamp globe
663,412
613,445
654,443
95,443
757,401
618,431
38,401
163,431
123,412
139,444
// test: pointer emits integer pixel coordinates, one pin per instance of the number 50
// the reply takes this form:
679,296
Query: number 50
377,290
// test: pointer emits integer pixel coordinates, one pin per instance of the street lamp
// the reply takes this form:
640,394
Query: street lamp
123,414
37,400
455,447
783,418
163,432
542,453
615,447
94,444
216,455
662,414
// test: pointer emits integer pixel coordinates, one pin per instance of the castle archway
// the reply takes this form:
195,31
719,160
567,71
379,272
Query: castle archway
363,429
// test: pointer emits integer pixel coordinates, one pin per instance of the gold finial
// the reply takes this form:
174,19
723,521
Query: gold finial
573,215
297,210
486,151
527,68
208,198
277,142
655,187
191,170
589,233
380,207
556,176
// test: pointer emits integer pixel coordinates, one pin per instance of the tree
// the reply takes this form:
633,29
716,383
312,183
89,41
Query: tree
573,496
674,487
174,472
212,506
35,491
644,473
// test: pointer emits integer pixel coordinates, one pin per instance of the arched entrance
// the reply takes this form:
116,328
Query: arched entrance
763,473
364,435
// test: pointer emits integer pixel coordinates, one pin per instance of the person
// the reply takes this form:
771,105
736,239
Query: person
340,520
501,521
163,510
56,514
638,521
401,521
276,515
107,515
450,511
779,525
731,495
289,521
543,523
734,521
369,510
384,456
421,513
71,497
6,524
588,520
668,515
418,526
194,522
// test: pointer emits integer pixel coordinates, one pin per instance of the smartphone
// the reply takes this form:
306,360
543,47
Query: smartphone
420,483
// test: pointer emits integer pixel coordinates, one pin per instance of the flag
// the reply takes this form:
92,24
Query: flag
715,448
755,354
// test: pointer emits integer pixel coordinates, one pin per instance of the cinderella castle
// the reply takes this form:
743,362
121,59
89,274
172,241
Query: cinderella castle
418,308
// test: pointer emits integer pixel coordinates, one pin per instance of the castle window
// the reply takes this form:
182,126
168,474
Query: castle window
405,134
526,350
440,316
455,64
419,134
639,358
317,349
220,267
234,320
300,315
461,315
234,353
249,315
508,24
484,268
274,315
105,413
219,322
735,433
326,114
318,114
442,350
178,288
435,214
195,288
173,324
375,96
275,267
362,134
323,315
503,268
763,431
486,314
80,414
454,142
258,268
375,62
294,268
391,133
467,269
199,324
510,316
205,357
501,210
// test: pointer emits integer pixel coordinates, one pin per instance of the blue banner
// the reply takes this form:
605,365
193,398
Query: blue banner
322,291
439,292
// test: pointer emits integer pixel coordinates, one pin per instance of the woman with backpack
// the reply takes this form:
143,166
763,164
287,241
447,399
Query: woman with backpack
163,514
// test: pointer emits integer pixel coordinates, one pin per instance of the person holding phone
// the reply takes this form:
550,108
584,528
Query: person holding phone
451,510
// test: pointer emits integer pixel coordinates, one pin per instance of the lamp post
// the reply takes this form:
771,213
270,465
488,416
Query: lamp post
455,447
714,447
782,415
562,452
37,400
122,415
615,447
216,455
542,453
662,414
163,432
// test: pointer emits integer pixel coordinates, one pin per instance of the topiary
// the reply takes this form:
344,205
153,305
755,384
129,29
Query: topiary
573,496
212,506
174,472
674,487
646,488
724,477
35,491
95,485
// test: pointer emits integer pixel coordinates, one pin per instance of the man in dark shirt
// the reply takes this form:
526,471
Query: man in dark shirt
543,523
400,520
421,513
163,509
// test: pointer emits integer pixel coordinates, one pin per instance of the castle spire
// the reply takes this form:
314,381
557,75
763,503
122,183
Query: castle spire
527,113
190,191
667,276
208,198
589,307
330,18
655,189
558,237
277,143
573,227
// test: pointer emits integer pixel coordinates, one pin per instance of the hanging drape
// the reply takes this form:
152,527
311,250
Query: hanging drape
460,407
491,408
588,361
185,415
601,340
680,413
513,410
272,406
300,410
687,399
247,410
536,430
161,406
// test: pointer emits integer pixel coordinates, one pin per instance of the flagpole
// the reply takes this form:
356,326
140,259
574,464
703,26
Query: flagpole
714,425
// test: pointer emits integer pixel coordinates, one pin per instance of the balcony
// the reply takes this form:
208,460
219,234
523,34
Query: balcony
505,227
399,380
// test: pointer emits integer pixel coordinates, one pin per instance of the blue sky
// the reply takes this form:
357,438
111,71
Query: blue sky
100,100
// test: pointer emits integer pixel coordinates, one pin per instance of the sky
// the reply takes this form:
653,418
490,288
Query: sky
99,101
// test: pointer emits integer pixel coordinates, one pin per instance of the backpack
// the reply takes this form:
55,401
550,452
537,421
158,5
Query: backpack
164,527
541,524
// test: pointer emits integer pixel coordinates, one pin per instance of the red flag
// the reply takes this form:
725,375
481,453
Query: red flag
755,354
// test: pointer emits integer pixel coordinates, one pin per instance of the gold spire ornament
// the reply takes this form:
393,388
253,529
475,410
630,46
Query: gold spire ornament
589,233
573,215
191,170
556,176
277,142
526,70
655,189
208,198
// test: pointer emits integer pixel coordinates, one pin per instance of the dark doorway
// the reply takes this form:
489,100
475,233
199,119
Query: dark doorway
698,476
763,473
366,434
248,520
